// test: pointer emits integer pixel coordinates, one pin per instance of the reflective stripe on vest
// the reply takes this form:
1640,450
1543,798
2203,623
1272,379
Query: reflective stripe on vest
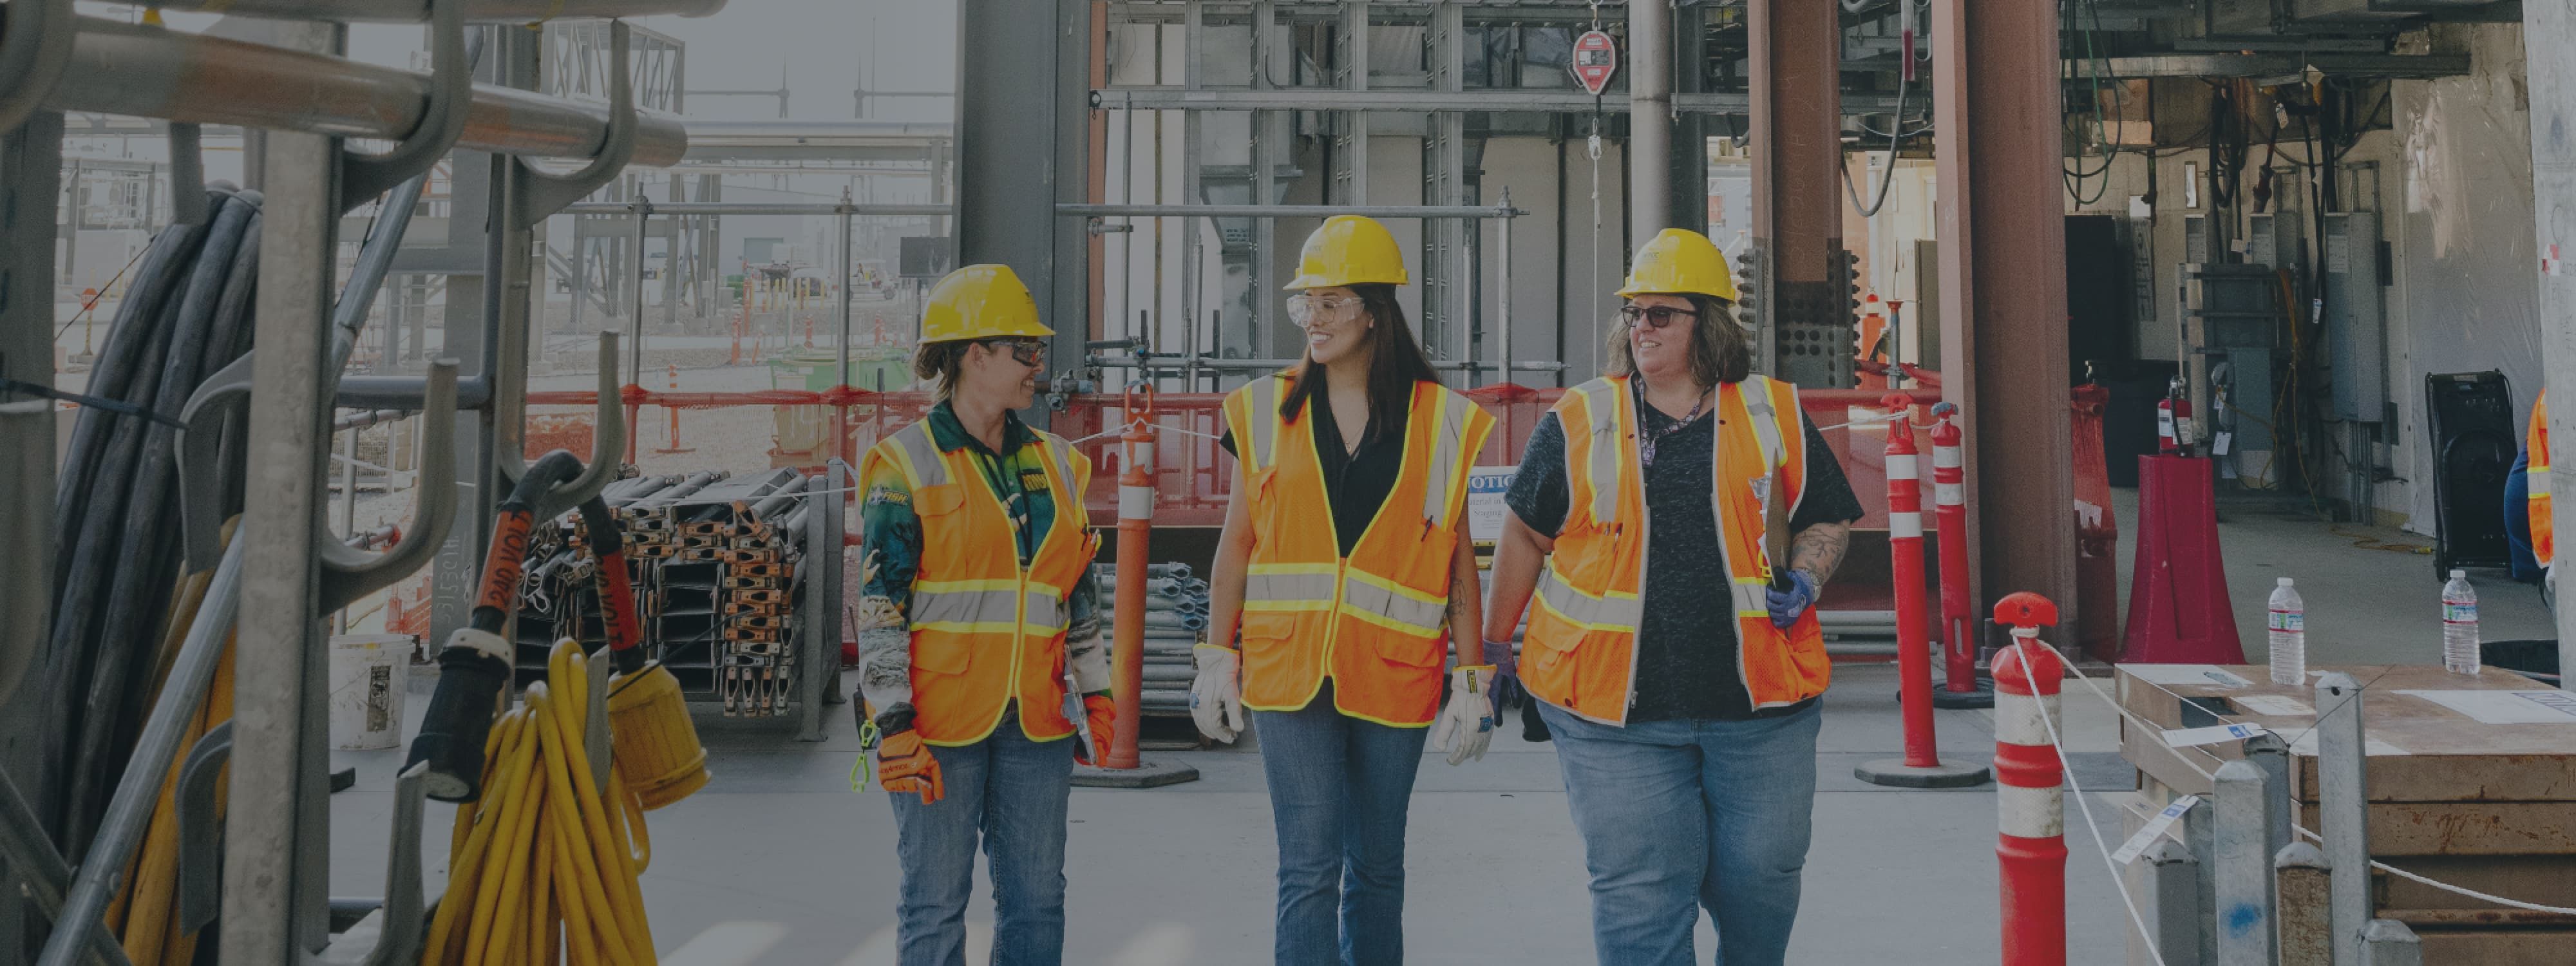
987,631
1583,630
1370,622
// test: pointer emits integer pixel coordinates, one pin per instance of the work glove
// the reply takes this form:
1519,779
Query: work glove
1507,674
1100,717
1216,698
1466,725
1787,604
905,766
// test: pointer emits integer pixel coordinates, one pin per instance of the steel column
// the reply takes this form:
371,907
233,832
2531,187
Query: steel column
2549,45
1650,112
30,172
2343,810
264,922
2003,257
1021,139
1796,68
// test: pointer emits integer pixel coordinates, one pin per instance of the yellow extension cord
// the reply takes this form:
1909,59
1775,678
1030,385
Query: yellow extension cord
542,868
141,914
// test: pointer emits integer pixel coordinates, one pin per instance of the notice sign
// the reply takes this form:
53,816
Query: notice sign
1485,486
1596,57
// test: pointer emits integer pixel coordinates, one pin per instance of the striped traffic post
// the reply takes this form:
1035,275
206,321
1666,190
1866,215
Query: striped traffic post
1959,687
1921,767
2030,853
1123,767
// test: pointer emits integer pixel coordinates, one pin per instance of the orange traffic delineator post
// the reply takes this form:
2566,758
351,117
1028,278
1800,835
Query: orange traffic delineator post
2030,849
2178,607
671,412
1125,768
1960,687
1921,767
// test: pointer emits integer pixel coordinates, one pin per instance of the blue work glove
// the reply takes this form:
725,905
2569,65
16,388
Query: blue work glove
1787,604
1507,673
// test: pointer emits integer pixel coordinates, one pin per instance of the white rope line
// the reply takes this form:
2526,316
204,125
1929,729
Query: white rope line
1134,423
2059,745
2154,729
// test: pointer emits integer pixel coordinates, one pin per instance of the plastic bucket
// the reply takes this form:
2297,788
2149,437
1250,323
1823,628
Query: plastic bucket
367,690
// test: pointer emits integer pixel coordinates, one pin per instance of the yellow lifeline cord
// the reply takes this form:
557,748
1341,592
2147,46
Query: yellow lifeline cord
549,862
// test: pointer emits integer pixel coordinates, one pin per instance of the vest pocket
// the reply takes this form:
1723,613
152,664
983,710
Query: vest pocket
939,499
941,657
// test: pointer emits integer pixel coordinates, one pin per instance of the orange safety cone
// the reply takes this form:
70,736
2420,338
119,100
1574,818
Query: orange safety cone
671,410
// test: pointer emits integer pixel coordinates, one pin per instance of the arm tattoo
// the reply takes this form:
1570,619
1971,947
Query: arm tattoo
1819,550
1461,620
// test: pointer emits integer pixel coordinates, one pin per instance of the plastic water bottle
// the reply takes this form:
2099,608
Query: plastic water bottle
2459,625
2289,637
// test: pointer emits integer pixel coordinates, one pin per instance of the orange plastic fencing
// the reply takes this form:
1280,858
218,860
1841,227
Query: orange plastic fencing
1193,474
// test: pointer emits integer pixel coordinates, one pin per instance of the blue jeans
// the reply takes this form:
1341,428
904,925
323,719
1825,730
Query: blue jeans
1339,787
1012,793
1678,815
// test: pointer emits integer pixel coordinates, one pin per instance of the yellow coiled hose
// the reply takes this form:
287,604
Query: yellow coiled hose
543,867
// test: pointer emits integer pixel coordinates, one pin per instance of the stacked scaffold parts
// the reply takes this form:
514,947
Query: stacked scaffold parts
717,559
1176,618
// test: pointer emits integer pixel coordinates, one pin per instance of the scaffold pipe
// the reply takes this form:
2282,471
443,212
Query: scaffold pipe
417,11
143,71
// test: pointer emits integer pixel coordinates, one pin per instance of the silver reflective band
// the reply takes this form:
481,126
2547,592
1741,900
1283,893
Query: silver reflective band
1364,596
1262,420
1289,587
1601,404
1597,613
1766,420
1900,466
1444,458
1045,610
1904,525
923,453
1751,599
966,607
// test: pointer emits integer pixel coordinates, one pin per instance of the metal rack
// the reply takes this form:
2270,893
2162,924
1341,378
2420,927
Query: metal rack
283,571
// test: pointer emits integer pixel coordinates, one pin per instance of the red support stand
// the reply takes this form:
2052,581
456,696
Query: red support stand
2030,850
1921,767
2178,607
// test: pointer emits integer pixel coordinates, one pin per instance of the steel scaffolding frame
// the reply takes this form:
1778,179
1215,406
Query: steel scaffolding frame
282,573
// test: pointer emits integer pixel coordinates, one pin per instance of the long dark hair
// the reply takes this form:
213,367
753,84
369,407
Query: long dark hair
1396,362
1719,351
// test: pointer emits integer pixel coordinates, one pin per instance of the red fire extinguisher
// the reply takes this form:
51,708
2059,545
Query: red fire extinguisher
2173,420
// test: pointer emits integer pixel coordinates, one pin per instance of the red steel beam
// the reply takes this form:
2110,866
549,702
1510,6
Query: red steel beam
2000,167
1796,128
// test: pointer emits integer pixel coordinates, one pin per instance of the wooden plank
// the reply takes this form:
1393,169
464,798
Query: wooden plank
2447,756
2497,947
2545,879
2466,828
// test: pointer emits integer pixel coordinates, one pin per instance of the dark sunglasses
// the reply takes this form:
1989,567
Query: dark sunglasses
1654,318
1027,352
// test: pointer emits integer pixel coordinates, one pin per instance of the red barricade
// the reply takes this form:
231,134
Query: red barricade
2030,851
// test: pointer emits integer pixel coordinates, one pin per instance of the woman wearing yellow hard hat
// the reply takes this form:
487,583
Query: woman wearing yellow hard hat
1343,559
976,608
1685,720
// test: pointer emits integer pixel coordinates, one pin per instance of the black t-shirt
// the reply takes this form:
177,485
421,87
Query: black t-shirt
1686,641
1355,483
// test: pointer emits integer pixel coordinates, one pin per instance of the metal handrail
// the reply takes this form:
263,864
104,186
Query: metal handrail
143,71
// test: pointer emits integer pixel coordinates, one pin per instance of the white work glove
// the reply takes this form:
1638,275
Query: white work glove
1216,697
1466,725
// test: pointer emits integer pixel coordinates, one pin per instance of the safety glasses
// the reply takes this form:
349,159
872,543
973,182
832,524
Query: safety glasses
1027,352
1654,318
1306,310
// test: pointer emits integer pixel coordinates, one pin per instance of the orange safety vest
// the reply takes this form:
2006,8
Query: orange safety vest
1371,622
986,630
2536,477
1583,630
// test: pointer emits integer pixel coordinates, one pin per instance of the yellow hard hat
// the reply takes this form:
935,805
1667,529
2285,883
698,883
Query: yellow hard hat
1349,250
1680,262
980,302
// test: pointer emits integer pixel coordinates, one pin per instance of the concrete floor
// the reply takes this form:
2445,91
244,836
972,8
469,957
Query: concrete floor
777,862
